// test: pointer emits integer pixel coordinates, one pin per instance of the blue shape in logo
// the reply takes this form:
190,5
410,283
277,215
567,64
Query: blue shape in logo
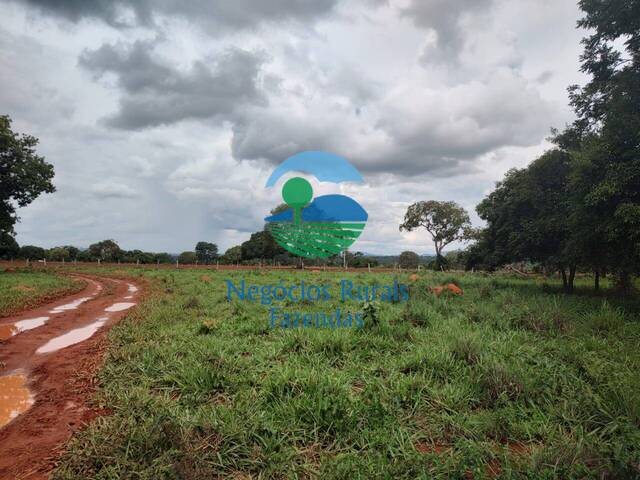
326,167
326,208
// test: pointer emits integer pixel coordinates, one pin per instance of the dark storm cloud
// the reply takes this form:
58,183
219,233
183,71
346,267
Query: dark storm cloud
443,17
156,93
217,15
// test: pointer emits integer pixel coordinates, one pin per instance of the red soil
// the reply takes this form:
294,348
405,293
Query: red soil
62,381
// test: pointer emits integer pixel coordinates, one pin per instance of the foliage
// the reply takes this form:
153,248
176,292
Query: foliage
31,252
446,222
408,259
206,253
233,255
528,215
188,258
106,251
24,175
9,248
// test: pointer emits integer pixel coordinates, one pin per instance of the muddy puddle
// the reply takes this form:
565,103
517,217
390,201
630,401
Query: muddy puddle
71,305
15,397
118,307
72,337
9,330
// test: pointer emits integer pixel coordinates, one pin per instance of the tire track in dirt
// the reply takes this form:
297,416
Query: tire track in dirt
59,378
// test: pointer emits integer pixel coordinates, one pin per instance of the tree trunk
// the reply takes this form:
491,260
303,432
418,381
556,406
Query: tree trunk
564,278
572,276
596,281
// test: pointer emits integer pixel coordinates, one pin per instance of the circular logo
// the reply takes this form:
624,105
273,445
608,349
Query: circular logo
316,227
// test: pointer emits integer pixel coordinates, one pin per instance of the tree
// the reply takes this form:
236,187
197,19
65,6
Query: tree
409,260
106,251
233,255
24,175
206,252
606,134
58,254
446,222
162,258
8,247
528,216
187,258
261,245
31,252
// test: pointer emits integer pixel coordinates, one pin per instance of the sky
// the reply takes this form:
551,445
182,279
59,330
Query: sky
164,119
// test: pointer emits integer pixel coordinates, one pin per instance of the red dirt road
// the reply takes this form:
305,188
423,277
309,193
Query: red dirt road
61,381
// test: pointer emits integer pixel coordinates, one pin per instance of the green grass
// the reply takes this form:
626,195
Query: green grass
512,374
25,288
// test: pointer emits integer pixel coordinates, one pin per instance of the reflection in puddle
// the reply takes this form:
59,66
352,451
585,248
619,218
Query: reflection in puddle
11,329
118,307
70,306
72,337
7,331
132,288
15,397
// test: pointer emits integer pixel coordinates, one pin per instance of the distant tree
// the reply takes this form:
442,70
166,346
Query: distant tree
446,222
58,254
31,252
206,252
137,256
409,259
73,251
24,175
232,255
261,245
84,256
106,251
187,258
9,248
163,258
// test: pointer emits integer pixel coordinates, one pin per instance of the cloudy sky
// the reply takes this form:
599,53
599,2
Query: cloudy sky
164,119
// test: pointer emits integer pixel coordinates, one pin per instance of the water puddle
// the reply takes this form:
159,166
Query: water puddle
132,288
72,337
11,329
70,306
118,307
15,397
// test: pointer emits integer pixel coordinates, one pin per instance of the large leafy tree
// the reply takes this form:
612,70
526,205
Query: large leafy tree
605,139
106,251
446,222
24,175
206,252
528,215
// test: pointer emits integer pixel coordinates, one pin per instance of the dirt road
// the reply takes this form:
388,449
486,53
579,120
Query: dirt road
48,358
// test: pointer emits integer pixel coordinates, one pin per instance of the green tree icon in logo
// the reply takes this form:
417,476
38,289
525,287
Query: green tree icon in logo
297,193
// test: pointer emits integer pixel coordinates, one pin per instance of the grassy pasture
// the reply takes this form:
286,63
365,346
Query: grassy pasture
510,380
26,288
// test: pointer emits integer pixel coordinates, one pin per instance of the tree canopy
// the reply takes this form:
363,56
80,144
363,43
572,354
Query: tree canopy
446,222
24,175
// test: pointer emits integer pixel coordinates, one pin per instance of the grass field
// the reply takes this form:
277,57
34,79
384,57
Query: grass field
26,288
510,380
